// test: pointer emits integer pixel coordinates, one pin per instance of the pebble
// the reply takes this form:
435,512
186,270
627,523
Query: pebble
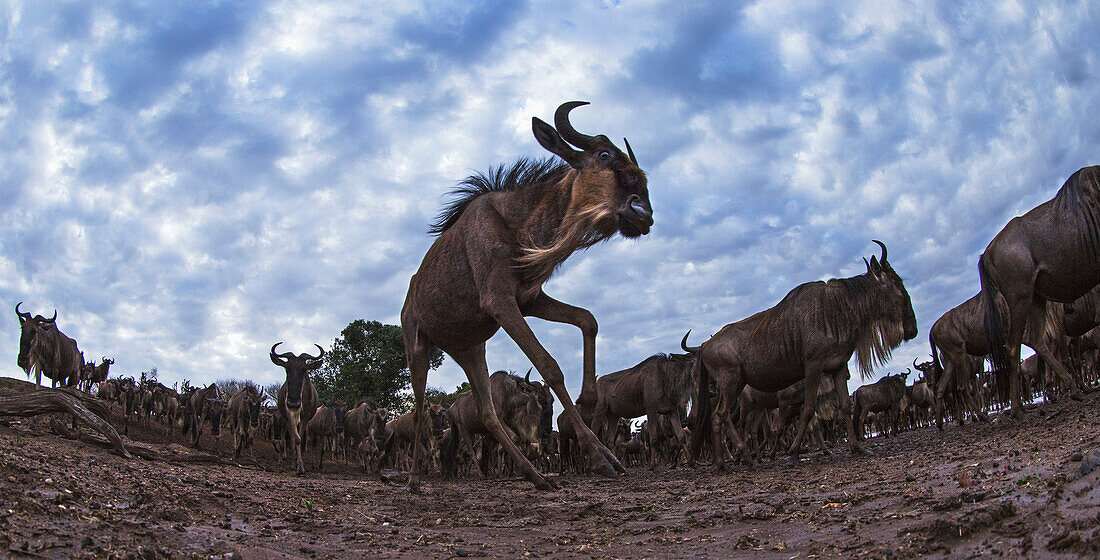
1077,456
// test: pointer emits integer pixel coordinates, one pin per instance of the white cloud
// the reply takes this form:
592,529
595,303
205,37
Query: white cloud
190,186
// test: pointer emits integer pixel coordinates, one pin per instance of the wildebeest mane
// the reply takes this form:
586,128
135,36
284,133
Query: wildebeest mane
849,303
1079,196
503,178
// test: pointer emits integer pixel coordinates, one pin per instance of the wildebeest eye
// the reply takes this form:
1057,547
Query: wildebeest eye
604,156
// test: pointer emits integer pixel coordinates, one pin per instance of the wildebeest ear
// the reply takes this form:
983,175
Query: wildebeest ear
550,139
875,267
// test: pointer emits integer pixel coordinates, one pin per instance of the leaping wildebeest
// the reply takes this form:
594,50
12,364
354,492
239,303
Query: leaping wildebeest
1051,253
45,349
297,399
811,333
502,237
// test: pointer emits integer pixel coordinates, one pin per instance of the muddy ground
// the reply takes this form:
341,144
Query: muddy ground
1006,488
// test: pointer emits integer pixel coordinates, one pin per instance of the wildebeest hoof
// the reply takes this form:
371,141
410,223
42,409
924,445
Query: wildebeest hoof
604,468
543,484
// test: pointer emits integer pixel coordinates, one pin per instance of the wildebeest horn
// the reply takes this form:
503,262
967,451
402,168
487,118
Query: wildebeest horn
915,363
686,348
322,355
527,378
54,318
630,152
561,122
867,263
883,245
23,315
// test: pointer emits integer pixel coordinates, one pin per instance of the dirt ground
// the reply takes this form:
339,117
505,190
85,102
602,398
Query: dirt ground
1006,488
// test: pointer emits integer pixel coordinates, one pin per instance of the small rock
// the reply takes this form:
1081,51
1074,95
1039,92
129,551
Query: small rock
461,553
86,542
1089,464
1077,456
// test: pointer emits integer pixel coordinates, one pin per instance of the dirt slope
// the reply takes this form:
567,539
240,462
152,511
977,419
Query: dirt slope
1007,488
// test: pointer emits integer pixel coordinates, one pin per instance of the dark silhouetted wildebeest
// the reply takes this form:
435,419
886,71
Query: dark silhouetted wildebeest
43,349
297,399
660,384
1050,254
244,418
813,332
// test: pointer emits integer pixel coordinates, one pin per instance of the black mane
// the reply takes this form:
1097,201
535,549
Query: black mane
503,178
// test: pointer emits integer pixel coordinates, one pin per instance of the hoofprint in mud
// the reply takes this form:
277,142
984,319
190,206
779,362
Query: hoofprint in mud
1007,486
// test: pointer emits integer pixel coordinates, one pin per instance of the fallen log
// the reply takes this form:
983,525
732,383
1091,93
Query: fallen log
19,398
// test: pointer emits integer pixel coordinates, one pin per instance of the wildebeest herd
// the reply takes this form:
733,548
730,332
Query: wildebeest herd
730,399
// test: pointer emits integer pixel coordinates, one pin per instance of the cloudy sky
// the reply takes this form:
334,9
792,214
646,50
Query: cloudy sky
188,183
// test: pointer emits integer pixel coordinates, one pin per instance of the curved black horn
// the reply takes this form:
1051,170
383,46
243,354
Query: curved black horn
275,355
683,344
23,315
883,245
630,152
915,363
318,357
54,318
561,122
527,378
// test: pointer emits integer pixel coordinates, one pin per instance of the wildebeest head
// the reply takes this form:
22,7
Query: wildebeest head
297,369
545,399
215,409
927,370
895,320
255,403
340,410
608,193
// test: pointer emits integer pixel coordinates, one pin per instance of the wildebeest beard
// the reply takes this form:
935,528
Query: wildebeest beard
580,229
843,310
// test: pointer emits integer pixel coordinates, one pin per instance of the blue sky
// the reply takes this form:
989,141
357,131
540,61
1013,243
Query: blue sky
188,183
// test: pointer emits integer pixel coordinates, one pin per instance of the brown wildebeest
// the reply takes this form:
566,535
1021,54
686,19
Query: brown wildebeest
921,401
323,429
205,404
883,397
628,446
812,333
660,384
519,405
1051,253
167,405
958,336
244,418
401,432
297,399
128,399
45,349
363,426
499,241
100,372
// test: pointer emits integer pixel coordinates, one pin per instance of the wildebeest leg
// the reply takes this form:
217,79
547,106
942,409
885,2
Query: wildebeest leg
678,429
549,309
651,427
840,383
813,379
1043,350
508,316
417,353
477,371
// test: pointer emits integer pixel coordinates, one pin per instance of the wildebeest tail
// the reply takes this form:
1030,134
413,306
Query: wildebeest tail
992,322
